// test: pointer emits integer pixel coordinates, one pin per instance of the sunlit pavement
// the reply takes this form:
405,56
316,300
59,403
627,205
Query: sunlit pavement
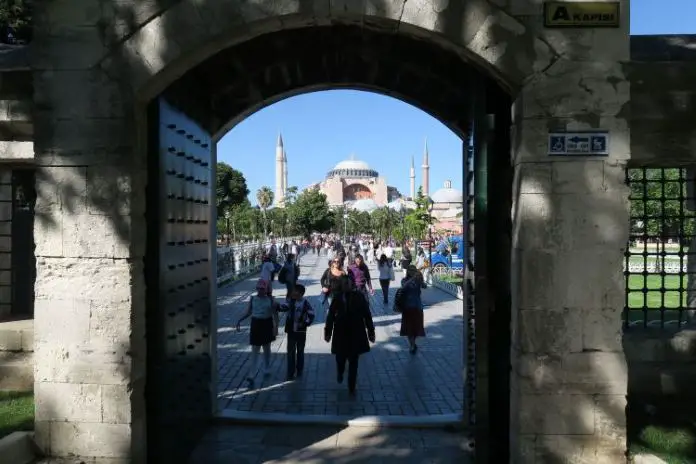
391,382
246,444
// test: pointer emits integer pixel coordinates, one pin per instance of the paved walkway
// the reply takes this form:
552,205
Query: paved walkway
326,445
391,381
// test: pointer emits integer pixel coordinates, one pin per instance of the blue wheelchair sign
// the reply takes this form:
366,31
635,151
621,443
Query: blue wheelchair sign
557,144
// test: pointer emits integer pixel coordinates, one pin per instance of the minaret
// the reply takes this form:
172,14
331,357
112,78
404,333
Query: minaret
426,171
279,191
412,176
285,173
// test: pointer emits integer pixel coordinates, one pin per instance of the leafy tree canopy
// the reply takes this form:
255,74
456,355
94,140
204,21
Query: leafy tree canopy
659,203
310,212
16,19
230,188
419,219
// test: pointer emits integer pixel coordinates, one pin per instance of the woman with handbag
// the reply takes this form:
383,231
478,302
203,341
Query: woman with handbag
386,275
408,302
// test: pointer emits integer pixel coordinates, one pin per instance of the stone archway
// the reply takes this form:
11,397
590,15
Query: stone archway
92,165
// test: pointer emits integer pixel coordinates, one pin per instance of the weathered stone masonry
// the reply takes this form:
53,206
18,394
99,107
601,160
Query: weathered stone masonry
569,215
97,63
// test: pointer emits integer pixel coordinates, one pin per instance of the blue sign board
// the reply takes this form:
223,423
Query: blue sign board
579,143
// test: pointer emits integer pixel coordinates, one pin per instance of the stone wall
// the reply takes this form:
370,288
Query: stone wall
96,65
571,225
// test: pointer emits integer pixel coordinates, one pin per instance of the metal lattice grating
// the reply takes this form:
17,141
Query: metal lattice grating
660,263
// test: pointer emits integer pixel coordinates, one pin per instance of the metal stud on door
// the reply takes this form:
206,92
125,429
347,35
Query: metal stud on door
179,311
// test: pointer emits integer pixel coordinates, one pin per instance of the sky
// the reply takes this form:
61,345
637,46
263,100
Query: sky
322,128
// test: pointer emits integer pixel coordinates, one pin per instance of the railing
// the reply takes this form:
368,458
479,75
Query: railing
445,280
241,260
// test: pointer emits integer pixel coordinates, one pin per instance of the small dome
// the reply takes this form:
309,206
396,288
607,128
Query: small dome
367,204
447,194
352,164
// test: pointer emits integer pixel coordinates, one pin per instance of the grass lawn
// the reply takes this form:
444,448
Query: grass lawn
669,432
672,445
16,412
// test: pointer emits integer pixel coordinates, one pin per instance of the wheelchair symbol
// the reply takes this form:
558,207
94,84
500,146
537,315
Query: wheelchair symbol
558,145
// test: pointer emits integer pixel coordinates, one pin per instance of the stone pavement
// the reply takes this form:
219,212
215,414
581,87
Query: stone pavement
240,444
391,381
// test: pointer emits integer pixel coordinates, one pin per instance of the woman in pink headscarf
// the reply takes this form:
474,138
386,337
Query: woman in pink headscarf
264,327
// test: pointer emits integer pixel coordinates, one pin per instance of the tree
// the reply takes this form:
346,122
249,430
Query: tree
310,212
658,203
16,18
230,188
419,219
384,222
264,197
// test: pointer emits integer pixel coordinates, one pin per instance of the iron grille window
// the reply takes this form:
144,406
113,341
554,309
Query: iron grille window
660,264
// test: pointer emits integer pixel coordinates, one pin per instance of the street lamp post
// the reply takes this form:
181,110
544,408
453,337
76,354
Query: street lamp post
345,226
403,227
431,205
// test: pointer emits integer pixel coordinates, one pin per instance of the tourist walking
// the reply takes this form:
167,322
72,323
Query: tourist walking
350,330
409,303
263,329
360,275
406,257
289,274
300,315
268,269
386,275
330,281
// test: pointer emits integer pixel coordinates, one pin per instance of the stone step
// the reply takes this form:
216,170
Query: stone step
17,335
16,371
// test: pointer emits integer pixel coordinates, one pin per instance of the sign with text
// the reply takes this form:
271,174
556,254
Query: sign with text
582,14
579,144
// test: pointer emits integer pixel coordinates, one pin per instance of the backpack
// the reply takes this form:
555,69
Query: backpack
283,275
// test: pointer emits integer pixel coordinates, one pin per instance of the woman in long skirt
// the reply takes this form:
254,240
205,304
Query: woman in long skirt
411,307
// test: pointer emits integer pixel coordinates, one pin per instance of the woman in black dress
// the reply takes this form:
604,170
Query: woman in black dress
350,330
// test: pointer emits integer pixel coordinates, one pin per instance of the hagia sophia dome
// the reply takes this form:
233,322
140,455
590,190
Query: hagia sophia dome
352,168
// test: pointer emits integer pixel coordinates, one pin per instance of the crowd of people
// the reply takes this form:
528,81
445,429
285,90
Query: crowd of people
346,287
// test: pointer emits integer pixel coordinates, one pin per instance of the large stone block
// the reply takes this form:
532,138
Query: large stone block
68,48
61,321
566,222
95,279
560,414
90,439
67,363
573,373
74,94
93,236
591,279
88,141
579,449
60,189
602,328
68,402
577,89
550,330
109,190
